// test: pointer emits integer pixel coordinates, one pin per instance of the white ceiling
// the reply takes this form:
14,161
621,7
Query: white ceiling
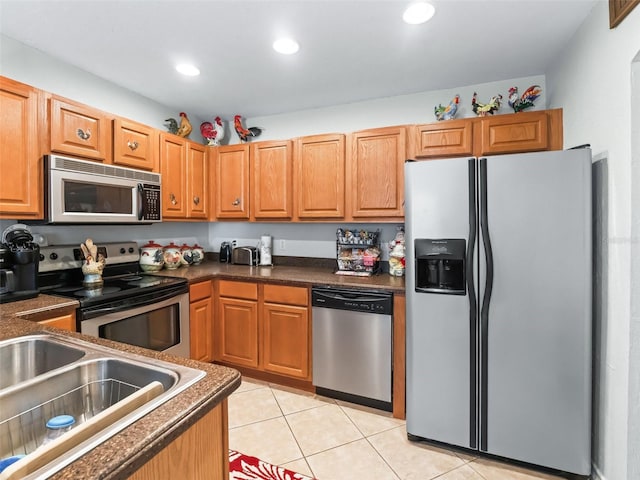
350,50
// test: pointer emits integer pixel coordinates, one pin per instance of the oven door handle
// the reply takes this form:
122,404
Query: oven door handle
90,313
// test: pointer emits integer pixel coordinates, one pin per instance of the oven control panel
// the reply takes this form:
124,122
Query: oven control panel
62,257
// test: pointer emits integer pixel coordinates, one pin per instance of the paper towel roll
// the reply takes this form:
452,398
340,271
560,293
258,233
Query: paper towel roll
265,250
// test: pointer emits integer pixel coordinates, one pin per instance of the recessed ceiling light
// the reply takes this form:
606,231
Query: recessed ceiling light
286,46
188,69
418,12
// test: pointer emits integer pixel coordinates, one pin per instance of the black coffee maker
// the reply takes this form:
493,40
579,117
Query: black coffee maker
19,260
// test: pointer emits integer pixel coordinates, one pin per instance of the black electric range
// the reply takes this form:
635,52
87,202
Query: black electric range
60,274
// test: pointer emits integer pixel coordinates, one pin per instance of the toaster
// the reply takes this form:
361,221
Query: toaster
245,256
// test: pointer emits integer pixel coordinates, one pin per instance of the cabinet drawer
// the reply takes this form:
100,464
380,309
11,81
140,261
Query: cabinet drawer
198,291
286,295
233,289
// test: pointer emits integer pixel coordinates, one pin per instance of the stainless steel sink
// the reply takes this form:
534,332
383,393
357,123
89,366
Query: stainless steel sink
28,357
103,389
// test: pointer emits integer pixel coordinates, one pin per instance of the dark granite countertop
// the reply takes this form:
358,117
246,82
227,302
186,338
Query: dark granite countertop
312,275
119,456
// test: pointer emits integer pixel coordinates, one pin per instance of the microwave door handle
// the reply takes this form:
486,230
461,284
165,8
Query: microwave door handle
140,201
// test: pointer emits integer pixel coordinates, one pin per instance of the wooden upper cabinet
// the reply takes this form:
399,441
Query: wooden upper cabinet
21,177
79,130
271,166
448,138
198,181
493,135
375,175
173,170
135,145
519,132
231,185
319,176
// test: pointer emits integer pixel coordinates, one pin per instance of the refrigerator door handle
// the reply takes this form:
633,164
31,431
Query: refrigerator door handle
486,300
471,289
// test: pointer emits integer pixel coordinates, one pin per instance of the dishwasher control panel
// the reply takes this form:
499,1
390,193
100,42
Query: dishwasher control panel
369,301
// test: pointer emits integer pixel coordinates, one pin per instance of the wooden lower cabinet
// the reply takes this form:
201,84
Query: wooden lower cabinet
200,453
201,321
285,331
264,327
63,322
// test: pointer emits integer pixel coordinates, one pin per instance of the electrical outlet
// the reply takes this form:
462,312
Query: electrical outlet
283,245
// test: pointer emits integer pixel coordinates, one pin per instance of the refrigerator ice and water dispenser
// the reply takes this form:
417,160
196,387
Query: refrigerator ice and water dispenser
440,266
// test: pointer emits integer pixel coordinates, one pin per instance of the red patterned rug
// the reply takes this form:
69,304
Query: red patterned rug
245,467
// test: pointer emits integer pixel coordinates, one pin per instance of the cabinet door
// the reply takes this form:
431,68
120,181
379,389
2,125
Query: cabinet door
271,173
285,334
515,133
79,130
237,332
173,170
197,181
319,176
201,330
63,322
447,138
375,177
21,188
135,145
231,188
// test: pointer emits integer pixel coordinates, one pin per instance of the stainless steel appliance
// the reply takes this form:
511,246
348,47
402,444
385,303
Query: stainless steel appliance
245,256
92,192
498,289
149,311
19,259
352,345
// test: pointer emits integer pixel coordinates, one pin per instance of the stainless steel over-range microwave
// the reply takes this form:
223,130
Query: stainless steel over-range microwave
84,192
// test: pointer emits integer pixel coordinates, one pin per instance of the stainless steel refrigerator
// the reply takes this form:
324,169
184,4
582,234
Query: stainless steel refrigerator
498,279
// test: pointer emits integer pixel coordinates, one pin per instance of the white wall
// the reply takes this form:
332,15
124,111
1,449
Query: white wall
33,67
399,110
591,80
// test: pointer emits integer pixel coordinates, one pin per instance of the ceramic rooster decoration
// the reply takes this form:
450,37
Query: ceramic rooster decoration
482,109
172,125
245,133
448,112
185,126
526,100
212,132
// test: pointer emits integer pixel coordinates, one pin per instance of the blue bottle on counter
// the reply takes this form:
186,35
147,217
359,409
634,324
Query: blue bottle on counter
57,426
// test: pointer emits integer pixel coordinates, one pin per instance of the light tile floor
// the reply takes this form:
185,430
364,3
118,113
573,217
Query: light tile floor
334,440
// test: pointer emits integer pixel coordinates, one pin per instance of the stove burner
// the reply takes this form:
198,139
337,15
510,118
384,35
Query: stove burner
67,289
96,292
131,278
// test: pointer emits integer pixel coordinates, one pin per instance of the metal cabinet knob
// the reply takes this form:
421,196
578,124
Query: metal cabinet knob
132,145
236,202
173,199
83,135
196,200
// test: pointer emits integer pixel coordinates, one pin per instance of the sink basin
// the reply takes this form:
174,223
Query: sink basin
31,356
103,389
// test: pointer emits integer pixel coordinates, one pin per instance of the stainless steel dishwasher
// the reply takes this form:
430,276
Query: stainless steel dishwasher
352,345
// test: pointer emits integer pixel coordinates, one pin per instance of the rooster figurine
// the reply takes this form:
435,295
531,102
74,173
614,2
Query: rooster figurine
212,132
185,126
448,112
245,133
526,100
482,109
172,125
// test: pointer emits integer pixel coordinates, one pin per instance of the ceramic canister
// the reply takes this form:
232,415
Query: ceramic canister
197,253
187,254
172,256
151,257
